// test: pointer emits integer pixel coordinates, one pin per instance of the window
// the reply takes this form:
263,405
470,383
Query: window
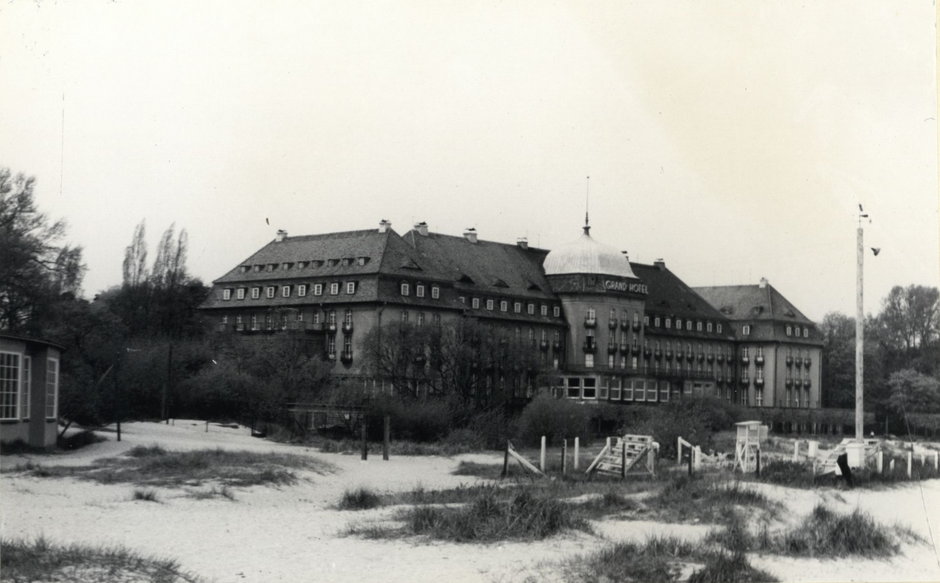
503,306
318,289
462,299
556,311
240,293
331,317
347,318
435,292
688,325
52,388
350,287
419,290
636,319
708,327
614,389
610,360
589,360
347,345
405,289
574,388
404,317
285,291
531,309
437,319
591,314
255,293
334,288
698,326
490,304
590,388
27,383
517,307
269,292
227,294
678,323
746,330
420,318
316,317
718,328
302,290
805,332
656,321
254,321
475,303
331,346
646,320
789,330
668,323
9,384
544,310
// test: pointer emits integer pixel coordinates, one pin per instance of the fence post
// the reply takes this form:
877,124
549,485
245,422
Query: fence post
796,451
577,451
880,462
365,445
386,436
697,457
564,457
542,455
910,459
812,448
936,460
505,461
679,451
623,459
757,459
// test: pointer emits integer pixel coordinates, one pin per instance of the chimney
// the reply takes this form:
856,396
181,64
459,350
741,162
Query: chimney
422,228
522,242
281,235
384,226
626,255
660,263
763,282
470,234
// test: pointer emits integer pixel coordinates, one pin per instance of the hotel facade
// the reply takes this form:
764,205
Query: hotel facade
606,329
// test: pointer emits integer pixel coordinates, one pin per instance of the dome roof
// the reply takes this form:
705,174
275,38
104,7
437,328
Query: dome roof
585,255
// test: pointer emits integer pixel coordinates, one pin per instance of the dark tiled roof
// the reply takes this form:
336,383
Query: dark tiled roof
752,302
494,268
670,295
330,255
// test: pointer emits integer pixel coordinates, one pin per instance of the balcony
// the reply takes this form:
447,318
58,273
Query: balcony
788,383
668,354
331,327
701,357
807,383
556,346
759,382
589,345
590,322
612,323
624,324
331,356
315,327
759,360
689,356
711,357
647,353
611,348
347,327
798,362
658,354
745,360
635,350
720,358
624,348
789,360
744,380
636,326
807,362
346,356
543,345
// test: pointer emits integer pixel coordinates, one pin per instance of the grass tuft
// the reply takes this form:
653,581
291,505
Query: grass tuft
490,471
214,492
825,533
41,560
728,568
686,498
359,499
147,495
656,561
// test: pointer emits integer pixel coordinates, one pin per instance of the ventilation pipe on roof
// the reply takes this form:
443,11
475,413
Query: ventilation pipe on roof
763,282
422,228
470,234
660,263
281,235
626,255
522,242
384,225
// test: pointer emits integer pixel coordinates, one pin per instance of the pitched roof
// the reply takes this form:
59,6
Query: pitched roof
484,266
670,295
752,302
330,254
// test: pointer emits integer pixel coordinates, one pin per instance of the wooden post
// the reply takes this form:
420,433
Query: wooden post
506,461
365,445
577,451
796,451
812,448
542,455
757,459
623,459
936,460
910,460
564,457
880,462
386,436
691,456
679,452
608,443
207,426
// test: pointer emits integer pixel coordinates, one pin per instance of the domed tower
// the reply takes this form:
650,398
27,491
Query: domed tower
603,302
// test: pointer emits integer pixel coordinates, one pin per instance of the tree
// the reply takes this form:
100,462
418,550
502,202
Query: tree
135,258
910,317
35,270
838,360
913,393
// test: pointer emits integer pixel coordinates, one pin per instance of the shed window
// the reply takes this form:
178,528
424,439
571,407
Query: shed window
52,388
9,385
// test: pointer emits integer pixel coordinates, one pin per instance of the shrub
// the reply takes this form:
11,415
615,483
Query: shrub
145,495
825,533
421,421
695,420
359,499
553,418
656,561
724,568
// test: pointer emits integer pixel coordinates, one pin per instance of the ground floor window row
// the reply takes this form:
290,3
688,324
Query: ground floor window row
16,384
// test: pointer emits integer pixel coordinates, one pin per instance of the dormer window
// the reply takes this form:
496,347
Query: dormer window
347,261
332,262
678,323
270,267
517,307
269,292
805,332
285,291
435,292
490,304
362,261
405,289
318,289
350,288
503,306
245,268
256,268
789,330
227,294
656,321
255,293
698,326
475,303
302,290
668,323
746,330
286,265
556,311
240,293
530,309
334,288
419,290
544,310
718,328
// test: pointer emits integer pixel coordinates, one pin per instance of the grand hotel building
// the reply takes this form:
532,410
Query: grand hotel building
614,330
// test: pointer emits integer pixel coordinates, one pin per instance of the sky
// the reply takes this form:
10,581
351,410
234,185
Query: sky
733,139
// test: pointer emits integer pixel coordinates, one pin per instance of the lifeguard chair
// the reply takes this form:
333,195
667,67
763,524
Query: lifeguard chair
750,434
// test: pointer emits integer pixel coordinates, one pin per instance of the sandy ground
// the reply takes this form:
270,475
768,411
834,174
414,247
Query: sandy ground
293,533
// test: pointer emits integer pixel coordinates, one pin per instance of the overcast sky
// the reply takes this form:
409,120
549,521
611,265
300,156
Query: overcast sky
732,139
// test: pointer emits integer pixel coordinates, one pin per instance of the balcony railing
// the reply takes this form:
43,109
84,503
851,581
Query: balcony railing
611,348
590,322
759,360
788,383
798,362
745,360
710,357
720,358
589,346
347,327
543,345
612,323
346,356
807,362
759,382
807,383
789,361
